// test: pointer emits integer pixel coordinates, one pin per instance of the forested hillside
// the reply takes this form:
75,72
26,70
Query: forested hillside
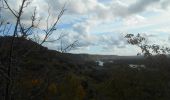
47,75
84,50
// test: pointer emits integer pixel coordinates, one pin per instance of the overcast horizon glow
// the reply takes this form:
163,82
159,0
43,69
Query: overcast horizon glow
100,25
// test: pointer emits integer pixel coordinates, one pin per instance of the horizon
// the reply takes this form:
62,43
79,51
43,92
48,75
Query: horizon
111,55
100,25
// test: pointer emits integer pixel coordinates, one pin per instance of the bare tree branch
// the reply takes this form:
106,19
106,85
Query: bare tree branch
18,19
8,7
49,31
67,48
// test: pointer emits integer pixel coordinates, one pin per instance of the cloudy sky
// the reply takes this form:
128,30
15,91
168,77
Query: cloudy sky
100,25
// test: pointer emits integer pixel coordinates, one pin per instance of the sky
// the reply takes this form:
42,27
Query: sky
100,25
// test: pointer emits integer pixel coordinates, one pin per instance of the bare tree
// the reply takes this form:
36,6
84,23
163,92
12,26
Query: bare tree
23,30
28,30
17,15
64,47
50,29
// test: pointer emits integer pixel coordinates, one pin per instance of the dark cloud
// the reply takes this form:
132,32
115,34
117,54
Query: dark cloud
134,8
165,4
141,5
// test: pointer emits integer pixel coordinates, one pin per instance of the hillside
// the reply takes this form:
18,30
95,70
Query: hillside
38,73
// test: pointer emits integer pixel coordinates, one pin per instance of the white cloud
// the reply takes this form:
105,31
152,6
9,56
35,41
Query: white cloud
134,20
89,18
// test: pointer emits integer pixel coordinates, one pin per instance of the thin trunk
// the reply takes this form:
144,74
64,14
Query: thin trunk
8,94
9,85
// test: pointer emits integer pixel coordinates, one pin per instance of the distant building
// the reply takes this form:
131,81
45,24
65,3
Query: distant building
111,61
100,63
136,66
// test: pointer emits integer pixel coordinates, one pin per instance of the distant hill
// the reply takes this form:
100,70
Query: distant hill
22,46
91,57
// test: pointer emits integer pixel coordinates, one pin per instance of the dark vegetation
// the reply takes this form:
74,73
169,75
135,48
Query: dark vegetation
47,75
30,71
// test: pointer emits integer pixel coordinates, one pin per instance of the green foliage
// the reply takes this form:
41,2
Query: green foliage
147,49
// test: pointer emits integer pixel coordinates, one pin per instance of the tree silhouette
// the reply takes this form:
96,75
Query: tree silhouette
147,49
19,29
